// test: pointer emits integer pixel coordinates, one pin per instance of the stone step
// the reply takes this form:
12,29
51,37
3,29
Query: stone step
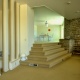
44,44
48,64
60,59
48,52
37,53
38,57
45,48
48,57
53,51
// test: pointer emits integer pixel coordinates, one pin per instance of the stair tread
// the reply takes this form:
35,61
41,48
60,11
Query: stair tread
64,51
47,50
46,46
47,55
45,43
36,56
47,62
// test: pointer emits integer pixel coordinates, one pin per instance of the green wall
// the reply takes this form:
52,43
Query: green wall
55,32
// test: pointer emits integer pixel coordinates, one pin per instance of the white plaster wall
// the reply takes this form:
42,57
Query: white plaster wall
30,27
35,32
26,28
55,32
23,29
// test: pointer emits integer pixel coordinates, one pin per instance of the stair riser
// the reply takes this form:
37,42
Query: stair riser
40,65
46,55
53,51
37,45
59,60
48,65
55,63
66,57
43,45
45,48
47,52
41,54
36,49
37,53
53,56
49,48
37,59
54,44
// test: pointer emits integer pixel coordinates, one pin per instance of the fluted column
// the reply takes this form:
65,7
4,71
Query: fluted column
5,35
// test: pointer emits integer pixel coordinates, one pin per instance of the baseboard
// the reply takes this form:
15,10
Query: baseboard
14,64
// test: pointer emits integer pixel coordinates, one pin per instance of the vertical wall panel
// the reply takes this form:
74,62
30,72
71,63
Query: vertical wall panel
5,35
17,29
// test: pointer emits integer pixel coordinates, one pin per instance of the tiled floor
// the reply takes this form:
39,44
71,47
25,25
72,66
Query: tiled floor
67,70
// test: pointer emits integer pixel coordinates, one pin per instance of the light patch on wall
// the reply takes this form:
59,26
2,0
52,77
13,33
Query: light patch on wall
57,21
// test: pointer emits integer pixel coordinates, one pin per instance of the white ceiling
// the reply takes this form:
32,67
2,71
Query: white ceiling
69,11
67,8
60,6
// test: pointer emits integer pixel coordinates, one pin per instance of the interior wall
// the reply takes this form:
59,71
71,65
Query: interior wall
26,28
23,29
55,32
0,30
35,32
30,28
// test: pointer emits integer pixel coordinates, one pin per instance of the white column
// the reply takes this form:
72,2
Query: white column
5,35
17,29
12,31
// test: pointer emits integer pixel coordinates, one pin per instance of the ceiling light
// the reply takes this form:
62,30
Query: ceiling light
46,24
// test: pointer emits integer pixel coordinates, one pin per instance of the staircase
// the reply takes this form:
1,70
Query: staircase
46,55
